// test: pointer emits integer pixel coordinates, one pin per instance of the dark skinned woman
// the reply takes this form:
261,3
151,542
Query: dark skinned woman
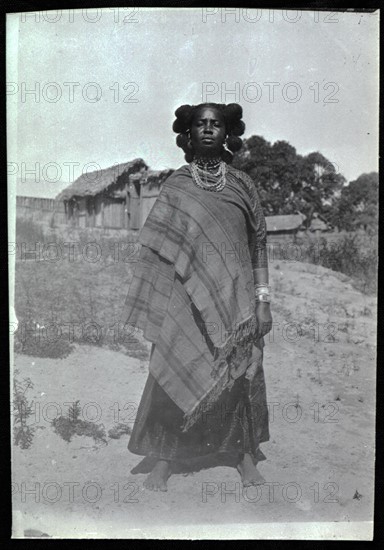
200,294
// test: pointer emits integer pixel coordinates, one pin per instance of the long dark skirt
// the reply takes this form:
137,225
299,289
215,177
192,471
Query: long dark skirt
237,424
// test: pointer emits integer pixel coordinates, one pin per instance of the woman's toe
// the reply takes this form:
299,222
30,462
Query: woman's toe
148,484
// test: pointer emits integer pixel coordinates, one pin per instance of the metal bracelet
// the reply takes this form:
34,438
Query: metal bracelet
262,290
262,286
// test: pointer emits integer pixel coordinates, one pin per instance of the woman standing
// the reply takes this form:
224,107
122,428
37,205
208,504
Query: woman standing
200,294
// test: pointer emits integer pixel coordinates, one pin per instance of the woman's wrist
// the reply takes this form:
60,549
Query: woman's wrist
262,292
263,305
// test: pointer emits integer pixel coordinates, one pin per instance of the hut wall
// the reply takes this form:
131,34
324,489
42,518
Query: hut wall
98,211
114,212
133,207
60,215
82,212
91,217
281,236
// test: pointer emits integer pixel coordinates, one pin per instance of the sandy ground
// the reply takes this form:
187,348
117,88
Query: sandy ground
320,456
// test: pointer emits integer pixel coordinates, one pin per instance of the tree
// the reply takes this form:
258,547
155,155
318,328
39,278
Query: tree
287,182
320,186
357,206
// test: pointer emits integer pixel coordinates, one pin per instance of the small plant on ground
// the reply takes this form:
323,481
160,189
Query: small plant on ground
68,426
22,408
120,429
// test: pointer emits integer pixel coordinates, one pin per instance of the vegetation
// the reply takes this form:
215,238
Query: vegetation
22,410
358,204
351,255
73,299
120,429
289,183
68,426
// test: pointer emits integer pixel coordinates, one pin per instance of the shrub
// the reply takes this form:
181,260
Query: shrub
22,408
68,426
352,255
31,340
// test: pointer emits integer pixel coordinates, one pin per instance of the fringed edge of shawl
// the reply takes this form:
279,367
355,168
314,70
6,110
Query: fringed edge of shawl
240,339
238,336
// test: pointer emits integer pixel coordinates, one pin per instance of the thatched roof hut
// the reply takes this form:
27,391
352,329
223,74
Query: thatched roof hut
96,182
118,197
285,224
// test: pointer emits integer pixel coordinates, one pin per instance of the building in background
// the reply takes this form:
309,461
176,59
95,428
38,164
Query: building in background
35,200
118,197
319,225
121,197
285,227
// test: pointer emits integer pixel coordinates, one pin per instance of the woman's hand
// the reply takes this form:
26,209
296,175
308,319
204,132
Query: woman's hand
263,317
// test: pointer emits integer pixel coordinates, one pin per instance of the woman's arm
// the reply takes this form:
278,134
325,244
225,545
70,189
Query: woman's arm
263,310
259,258
261,275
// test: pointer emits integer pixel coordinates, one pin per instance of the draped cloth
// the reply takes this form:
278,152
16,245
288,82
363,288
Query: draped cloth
192,290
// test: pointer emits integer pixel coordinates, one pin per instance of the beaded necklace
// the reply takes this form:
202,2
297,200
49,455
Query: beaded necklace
204,167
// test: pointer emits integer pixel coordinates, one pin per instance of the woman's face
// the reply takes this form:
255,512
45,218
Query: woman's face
208,132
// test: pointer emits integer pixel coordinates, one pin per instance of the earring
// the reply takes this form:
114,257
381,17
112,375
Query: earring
225,146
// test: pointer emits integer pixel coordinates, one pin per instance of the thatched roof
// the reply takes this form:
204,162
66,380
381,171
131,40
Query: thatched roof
288,222
93,183
155,178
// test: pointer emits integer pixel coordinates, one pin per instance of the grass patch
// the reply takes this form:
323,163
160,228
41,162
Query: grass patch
73,294
352,255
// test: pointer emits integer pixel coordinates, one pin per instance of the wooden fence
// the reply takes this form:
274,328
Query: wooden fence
41,210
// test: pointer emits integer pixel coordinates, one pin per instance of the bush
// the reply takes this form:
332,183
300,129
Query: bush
68,426
352,255
31,340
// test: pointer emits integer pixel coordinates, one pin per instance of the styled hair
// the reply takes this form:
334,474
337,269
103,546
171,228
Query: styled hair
234,127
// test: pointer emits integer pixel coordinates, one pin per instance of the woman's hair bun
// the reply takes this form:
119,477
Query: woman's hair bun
234,111
234,143
178,126
182,140
238,128
184,112
183,119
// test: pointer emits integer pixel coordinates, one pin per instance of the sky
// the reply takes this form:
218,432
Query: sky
107,83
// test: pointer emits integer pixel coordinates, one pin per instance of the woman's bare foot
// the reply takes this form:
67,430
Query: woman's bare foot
250,475
157,479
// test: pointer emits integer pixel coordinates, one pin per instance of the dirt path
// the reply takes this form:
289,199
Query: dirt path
320,456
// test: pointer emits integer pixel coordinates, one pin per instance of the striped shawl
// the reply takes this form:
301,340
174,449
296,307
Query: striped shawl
192,291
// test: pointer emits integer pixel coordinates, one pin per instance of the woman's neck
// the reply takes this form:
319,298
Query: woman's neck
207,162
